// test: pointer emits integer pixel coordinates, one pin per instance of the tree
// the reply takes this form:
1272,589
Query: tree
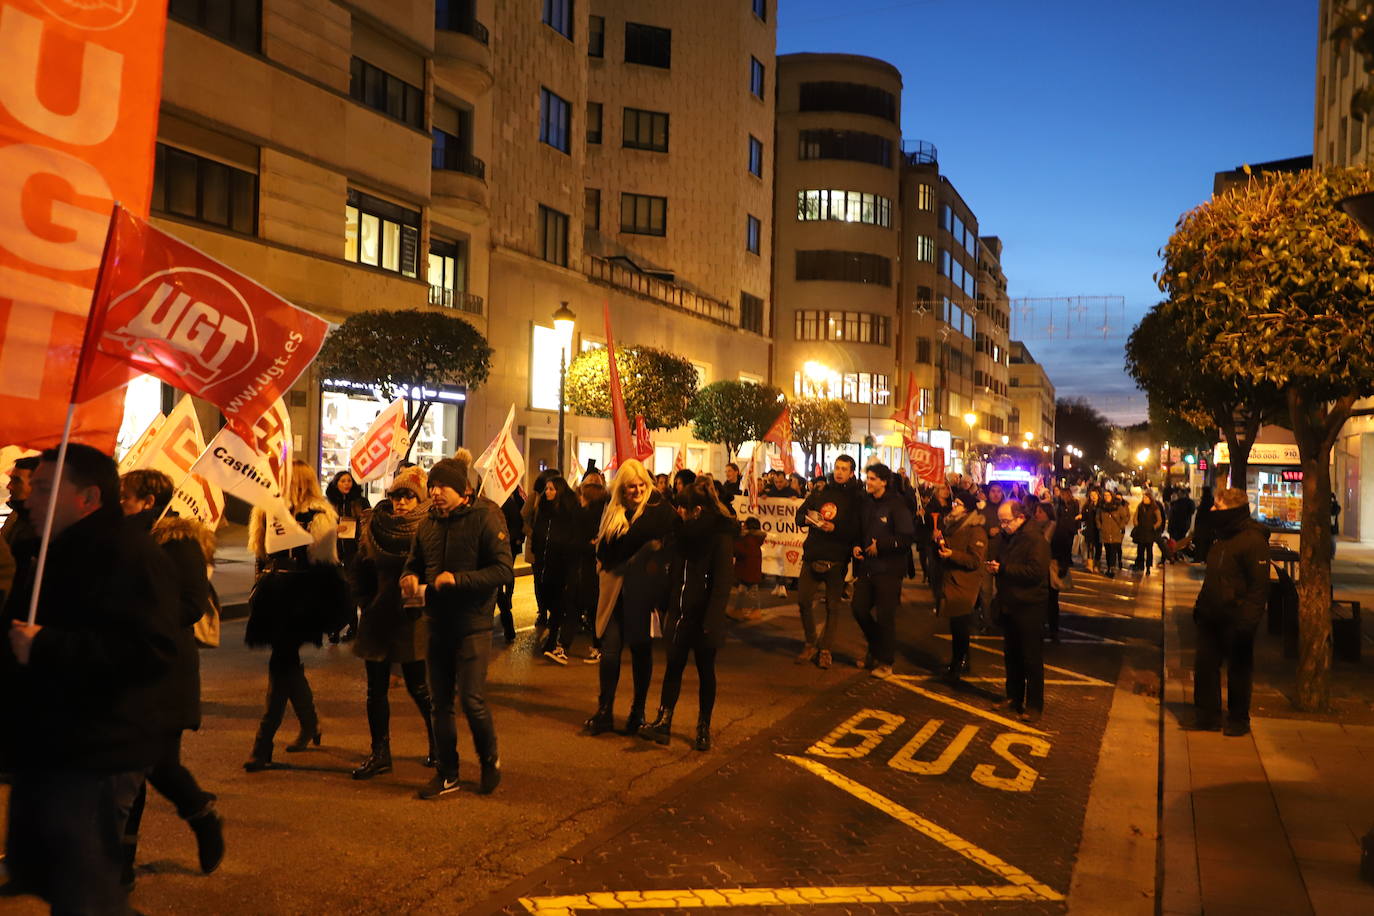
1352,25
1167,365
407,351
817,422
733,413
1171,427
657,385
1078,423
1278,282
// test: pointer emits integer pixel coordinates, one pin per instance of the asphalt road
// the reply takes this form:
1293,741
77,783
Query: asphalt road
828,790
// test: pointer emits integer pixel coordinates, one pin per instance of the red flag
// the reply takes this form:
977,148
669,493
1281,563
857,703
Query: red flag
167,309
909,414
927,461
624,444
77,125
644,448
820,471
780,434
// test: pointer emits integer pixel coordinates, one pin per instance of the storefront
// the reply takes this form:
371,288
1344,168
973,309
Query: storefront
347,409
1274,485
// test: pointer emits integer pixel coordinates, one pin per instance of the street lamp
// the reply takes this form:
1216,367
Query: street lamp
1028,436
1006,439
1142,456
563,322
817,373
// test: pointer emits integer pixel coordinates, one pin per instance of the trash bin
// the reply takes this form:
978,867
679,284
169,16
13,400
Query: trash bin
1283,602
1345,630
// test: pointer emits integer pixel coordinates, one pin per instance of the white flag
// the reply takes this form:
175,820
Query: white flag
381,448
173,448
501,465
135,453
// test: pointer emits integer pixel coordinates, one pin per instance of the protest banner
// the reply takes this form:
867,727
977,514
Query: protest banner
783,539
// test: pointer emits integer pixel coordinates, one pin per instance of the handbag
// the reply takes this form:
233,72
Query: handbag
206,629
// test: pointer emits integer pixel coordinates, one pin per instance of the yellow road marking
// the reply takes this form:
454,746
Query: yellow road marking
567,905
904,681
1085,680
975,854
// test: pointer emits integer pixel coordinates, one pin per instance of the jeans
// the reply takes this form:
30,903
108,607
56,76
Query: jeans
876,597
806,596
1092,542
286,682
66,837
1023,653
959,629
706,678
641,662
379,706
1145,555
1113,556
458,663
1218,641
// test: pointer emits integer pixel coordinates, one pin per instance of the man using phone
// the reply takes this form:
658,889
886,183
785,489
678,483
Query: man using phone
831,519
1022,569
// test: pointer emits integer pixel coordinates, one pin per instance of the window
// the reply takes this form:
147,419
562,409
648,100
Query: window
388,94
596,36
235,22
852,145
961,277
646,130
553,236
845,206
450,154
854,327
865,388
925,197
923,350
201,189
593,122
959,319
753,230
756,157
648,45
591,208
448,268
761,9
642,214
844,266
756,76
856,98
558,15
381,234
925,248
554,117
751,313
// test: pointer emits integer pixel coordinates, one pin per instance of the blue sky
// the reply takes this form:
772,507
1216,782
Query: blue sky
1080,131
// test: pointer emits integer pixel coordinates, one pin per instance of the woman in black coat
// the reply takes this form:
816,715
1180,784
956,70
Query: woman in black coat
388,632
582,585
700,577
633,584
554,523
1149,523
350,503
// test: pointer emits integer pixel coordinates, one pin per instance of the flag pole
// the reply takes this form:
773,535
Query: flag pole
86,342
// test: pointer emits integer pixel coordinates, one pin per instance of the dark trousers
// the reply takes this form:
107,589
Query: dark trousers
505,602
66,837
1052,616
1225,641
706,677
286,682
379,706
876,596
807,586
1023,653
1093,542
641,662
560,592
1113,555
959,629
1145,554
543,593
173,782
458,663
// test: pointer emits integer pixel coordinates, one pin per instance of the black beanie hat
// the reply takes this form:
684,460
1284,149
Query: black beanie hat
450,472
968,499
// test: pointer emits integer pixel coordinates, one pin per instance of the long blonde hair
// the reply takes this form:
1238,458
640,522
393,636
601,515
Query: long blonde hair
618,517
303,488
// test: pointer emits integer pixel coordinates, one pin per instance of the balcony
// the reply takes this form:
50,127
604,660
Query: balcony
458,182
462,52
456,299
615,272
919,152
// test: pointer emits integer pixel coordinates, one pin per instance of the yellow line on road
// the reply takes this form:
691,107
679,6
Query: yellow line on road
1086,680
777,896
904,681
975,854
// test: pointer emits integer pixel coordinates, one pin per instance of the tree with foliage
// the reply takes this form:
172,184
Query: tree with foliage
1082,425
732,413
817,422
1352,26
407,351
1167,365
657,385
1278,282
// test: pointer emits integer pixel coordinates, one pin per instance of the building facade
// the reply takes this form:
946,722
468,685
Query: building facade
1031,397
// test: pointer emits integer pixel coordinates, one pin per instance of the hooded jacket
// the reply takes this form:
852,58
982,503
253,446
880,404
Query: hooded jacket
837,503
887,521
471,543
1236,587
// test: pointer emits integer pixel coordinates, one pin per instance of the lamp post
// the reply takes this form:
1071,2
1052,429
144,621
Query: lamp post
563,322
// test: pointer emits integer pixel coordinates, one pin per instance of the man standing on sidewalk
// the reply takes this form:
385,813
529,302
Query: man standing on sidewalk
1228,609
459,559
830,516
1022,569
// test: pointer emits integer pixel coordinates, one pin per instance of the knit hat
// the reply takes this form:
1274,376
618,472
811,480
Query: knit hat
969,500
451,472
412,479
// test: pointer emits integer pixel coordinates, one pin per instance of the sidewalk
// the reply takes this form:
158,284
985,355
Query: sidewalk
1267,823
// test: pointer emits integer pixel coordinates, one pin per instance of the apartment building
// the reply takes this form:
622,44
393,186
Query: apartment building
1031,397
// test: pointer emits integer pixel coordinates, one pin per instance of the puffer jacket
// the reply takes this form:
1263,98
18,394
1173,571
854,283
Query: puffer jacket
1112,521
1236,587
471,542
962,571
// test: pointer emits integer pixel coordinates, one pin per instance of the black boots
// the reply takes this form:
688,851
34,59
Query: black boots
601,722
261,757
635,721
208,827
660,729
306,738
703,742
377,763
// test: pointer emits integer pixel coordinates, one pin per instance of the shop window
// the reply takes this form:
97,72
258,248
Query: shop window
347,409
204,190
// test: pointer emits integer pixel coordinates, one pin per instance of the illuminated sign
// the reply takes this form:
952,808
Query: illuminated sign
1292,476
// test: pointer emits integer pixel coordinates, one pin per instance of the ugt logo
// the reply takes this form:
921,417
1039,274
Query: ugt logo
187,320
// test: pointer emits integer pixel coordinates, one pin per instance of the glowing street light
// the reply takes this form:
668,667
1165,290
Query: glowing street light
1142,456
817,373
1028,436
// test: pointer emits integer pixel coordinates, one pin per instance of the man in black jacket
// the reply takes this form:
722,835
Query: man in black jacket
1022,569
830,517
87,696
460,557
1233,598
886,531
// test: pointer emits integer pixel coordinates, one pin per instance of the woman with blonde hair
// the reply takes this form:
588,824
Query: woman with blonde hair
629,550
300,596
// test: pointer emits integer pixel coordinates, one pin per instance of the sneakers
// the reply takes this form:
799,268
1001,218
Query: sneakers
439,786
823,658
881,672
557,655
780,591
805,655
491,776
593,657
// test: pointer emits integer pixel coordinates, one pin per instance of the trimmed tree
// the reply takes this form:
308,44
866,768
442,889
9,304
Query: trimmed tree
657,384
817,422
1278,282
732,412
407,351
